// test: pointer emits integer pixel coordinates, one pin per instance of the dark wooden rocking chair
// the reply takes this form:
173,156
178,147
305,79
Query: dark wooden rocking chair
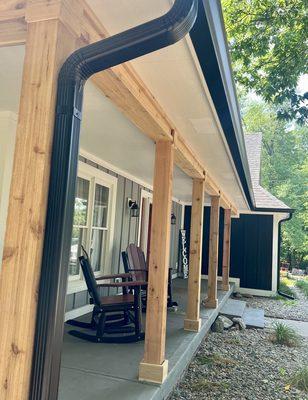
119,314
134,263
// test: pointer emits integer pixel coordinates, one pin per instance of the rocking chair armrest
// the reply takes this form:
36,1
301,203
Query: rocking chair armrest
124,284
138,270
99,278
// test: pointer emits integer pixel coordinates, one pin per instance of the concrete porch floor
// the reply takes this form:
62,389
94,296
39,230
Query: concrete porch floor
91,371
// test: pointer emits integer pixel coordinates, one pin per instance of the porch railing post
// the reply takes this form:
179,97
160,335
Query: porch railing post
154,367
192,321
211,301
226,250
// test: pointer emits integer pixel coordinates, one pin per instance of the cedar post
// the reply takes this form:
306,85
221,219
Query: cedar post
211,301
48,44
154,367
192,321
226,250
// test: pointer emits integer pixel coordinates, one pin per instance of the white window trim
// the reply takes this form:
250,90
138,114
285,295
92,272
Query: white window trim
149,196
95,175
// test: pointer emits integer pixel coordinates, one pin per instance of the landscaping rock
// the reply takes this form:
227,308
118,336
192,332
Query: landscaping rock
218,325
239,322
237,295
247,295
242,365
282,308
226,321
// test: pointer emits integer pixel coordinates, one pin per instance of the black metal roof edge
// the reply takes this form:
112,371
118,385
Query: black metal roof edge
209,39
280,210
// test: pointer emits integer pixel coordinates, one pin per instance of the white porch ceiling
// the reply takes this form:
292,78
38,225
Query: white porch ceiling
173,78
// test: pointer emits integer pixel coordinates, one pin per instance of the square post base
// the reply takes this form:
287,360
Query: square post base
226,288
192,325
210,303
155,373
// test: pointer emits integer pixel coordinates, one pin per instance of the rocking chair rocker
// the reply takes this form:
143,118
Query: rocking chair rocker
104,320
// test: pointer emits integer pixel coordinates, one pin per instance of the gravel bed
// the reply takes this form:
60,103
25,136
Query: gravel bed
286,309
242,365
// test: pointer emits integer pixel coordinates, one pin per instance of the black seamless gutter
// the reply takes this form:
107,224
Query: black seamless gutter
83,63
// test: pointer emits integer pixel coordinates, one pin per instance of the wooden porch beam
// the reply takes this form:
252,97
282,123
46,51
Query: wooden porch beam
226,250
192,321
211,301
154,367
120,84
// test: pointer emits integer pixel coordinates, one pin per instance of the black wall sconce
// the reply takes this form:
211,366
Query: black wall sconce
134,208
173,219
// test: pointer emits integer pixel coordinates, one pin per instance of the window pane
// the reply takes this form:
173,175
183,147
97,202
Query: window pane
98,249
81,202
78,238
100,206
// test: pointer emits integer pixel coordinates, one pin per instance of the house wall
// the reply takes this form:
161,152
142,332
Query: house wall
126,231
253,256
8,122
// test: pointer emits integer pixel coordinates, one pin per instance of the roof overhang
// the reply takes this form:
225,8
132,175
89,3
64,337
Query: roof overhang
210,43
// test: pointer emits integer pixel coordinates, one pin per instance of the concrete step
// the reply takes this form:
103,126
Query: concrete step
233,308
254,317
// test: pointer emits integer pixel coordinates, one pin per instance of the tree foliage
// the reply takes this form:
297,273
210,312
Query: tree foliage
269,47
284,170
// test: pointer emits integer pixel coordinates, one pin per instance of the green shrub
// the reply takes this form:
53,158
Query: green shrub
303,286
300,379
285,335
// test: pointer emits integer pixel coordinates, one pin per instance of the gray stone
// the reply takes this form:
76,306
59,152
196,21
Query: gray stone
247,295
226,321
233,308
218,325
240,322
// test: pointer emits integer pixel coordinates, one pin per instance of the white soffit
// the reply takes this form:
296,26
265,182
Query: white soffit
174,80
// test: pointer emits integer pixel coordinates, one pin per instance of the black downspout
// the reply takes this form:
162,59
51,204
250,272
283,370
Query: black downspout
279,256
83,63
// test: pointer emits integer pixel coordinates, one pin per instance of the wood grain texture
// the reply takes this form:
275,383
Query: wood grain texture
48,45
195,251
121,84
226,250
211,301
155,337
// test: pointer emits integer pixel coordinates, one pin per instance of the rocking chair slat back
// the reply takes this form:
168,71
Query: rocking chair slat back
90,278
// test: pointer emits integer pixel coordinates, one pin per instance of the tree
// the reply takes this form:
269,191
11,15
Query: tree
284,170
269,47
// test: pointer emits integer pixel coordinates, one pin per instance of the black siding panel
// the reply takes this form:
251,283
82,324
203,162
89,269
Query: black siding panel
251,247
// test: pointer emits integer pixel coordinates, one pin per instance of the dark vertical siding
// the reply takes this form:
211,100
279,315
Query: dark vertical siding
251,247
206,236
251,250
126,229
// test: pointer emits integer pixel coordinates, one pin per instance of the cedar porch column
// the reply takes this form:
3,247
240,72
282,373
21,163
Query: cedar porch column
226,250
192,321
211,301
48,44
154,367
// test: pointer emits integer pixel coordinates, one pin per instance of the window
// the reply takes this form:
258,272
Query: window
93,220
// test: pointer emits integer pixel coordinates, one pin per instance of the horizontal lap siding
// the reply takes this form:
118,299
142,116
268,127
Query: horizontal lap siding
126,229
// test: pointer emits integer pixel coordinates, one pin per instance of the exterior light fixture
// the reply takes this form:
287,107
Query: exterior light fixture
134,208
173,219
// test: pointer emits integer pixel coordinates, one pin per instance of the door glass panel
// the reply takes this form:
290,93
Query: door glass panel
98,249
100,211
81,202
78,238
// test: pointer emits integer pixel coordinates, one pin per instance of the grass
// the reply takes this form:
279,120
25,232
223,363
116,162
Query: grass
284,287
215,359
302,284
300,379
284,335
